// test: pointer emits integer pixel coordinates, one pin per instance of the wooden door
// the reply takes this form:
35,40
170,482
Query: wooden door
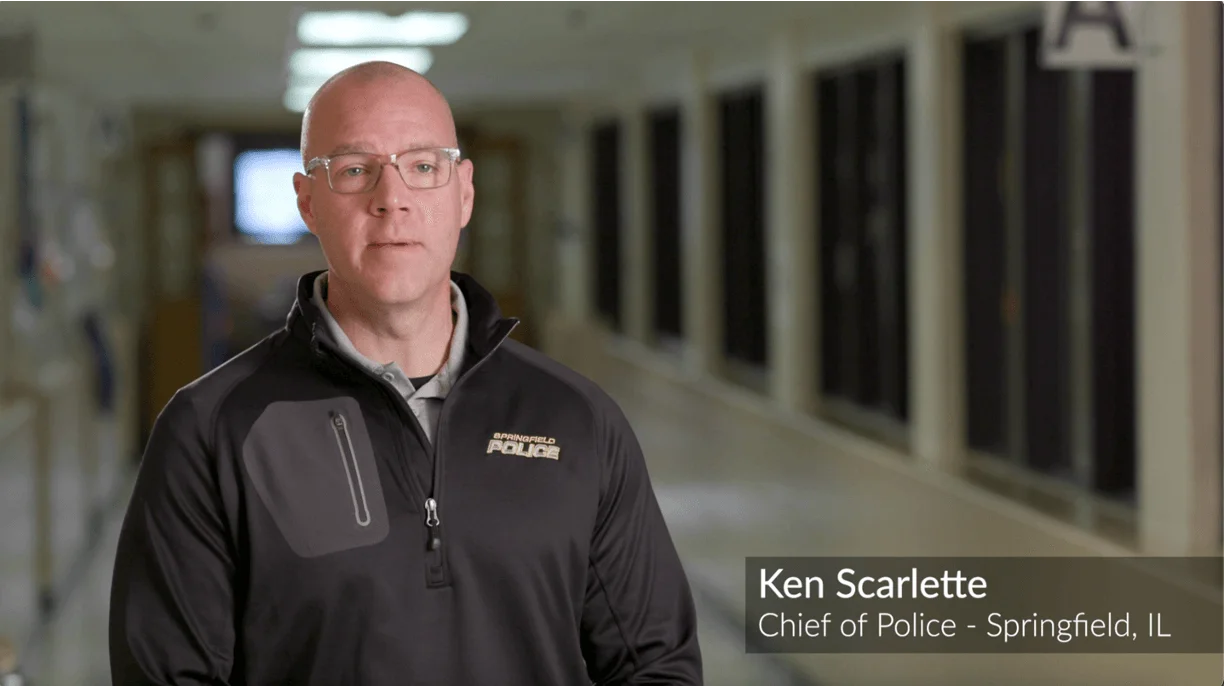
494,247
173,337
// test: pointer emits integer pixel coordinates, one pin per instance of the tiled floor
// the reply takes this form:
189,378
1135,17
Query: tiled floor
71,650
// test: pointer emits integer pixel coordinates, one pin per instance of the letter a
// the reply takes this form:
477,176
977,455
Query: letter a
1108,16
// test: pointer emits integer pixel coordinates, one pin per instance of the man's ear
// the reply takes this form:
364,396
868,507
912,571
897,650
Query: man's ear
303,186
467,191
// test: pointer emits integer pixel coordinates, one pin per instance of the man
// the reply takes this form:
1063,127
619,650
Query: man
389,490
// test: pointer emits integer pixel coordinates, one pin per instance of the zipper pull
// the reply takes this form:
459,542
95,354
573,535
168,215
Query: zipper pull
431,521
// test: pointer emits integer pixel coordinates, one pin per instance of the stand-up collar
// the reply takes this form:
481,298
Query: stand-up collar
439,384
486,325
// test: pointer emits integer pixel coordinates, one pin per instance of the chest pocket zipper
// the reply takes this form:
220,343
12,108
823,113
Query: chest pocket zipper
348,456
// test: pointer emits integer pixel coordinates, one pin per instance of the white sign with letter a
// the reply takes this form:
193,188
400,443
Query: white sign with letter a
1091,35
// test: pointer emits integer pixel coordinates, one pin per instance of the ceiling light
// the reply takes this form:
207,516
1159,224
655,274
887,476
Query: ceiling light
324,62
297,97
375,28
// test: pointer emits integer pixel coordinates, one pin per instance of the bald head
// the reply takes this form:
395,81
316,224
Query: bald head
354,88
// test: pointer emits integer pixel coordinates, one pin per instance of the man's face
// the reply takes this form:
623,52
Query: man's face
392,244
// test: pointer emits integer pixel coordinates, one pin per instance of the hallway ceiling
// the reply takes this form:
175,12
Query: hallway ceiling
232,55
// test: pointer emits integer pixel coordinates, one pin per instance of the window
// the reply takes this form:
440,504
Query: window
742,182
1111,233
987,310
861,177
265,204
1048,164
264,201
606,206
664,156
1043,249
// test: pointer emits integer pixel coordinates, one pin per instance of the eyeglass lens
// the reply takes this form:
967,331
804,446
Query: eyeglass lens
359,173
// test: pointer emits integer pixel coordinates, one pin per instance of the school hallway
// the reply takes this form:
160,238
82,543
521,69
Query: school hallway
869,280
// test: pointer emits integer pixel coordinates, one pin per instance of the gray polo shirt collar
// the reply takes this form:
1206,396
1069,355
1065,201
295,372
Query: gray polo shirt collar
440,385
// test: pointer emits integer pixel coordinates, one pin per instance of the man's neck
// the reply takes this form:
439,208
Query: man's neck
416,337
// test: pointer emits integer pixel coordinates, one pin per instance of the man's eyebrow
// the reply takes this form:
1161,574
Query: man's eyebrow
361,146
346,148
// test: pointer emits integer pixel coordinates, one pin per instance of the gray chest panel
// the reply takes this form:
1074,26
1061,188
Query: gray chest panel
313,467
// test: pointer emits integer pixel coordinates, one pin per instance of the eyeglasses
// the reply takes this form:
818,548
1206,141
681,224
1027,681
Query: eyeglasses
359,172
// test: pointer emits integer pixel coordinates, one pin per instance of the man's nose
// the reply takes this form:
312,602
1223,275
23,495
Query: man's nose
391,194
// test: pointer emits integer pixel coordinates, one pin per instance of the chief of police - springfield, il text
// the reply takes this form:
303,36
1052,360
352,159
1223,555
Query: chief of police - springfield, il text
388,491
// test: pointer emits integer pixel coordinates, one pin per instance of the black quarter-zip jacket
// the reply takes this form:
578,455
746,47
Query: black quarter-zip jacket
291,524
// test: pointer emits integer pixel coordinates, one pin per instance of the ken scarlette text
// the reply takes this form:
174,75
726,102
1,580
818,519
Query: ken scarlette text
949,585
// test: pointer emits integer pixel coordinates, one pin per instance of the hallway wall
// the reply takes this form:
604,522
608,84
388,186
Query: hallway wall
71,281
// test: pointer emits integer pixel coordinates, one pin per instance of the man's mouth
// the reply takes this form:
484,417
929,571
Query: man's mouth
396,244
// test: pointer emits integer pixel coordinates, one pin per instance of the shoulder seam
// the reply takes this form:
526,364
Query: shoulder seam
216,410
590,404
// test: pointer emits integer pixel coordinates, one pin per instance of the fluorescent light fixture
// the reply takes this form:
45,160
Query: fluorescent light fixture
297,97
376,28
322,63
309,68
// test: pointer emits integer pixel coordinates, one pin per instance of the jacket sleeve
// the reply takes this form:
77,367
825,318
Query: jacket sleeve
172,592
639,624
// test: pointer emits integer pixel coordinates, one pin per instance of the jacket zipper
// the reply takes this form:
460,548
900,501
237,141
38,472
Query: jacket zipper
437,570
348,456
435,573
431,521
398,406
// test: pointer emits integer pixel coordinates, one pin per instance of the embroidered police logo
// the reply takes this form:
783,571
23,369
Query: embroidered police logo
524,446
